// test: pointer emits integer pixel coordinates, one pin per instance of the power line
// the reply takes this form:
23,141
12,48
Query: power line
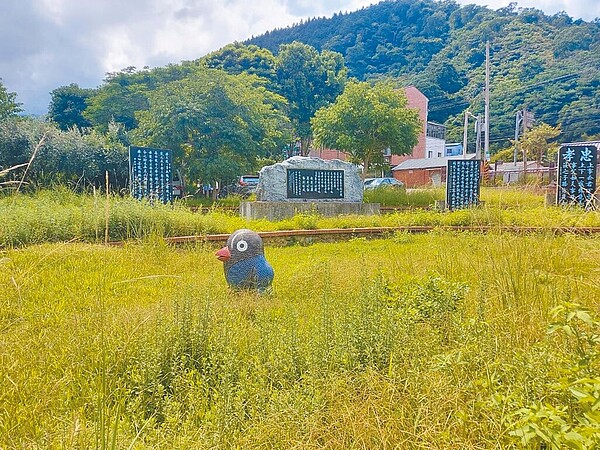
566,77
449,103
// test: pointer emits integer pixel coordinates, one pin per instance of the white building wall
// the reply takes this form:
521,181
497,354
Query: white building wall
434,147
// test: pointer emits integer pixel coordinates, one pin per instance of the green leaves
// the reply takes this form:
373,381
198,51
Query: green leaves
8,104
217,124
535,142
367,119
238,58
309,80
69,157
67,106
572,420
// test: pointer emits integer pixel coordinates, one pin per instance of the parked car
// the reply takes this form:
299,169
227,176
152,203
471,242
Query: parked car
375,183
247,185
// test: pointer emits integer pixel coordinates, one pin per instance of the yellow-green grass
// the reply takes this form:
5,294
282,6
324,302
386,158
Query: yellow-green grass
428,341
523,196
392,197
60,215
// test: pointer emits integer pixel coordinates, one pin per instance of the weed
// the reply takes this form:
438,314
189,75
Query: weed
438,339
570,417
61,215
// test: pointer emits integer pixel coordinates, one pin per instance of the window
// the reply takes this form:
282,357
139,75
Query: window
435,130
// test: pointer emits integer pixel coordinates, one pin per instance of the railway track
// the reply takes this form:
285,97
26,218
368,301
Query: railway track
382,209
370,232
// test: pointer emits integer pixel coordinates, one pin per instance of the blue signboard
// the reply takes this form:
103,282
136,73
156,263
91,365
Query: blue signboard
151,173
315,184
577,174
462,183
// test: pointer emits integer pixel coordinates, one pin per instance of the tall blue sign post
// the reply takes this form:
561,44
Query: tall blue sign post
151,173
577,174
462,183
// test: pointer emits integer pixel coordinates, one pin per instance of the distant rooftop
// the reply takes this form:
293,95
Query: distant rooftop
429,163
513,167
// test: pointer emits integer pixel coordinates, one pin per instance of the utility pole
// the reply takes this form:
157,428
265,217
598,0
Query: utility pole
524,120
478,137
465,128
518,122
524,154
527,119
477,129
486,126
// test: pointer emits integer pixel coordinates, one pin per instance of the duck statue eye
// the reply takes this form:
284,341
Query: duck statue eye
241,246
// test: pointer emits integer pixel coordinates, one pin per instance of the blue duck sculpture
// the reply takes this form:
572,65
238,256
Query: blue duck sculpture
244,261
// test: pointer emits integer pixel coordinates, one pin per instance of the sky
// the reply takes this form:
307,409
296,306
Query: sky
45,44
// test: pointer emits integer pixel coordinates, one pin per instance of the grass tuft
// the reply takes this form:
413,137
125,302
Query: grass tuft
441,339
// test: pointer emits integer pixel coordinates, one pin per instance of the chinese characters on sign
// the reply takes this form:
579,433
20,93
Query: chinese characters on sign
315,184
150,173
462,186
576,174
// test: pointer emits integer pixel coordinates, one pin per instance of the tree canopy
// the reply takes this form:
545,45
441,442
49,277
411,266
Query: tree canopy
238,58
123,93
8,103
67,105
309,80
68,157
546,63
367,119
306,78
217,124
536,142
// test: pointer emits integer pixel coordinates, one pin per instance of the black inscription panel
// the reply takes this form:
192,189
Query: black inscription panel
462,183
577,175
150,173
315,184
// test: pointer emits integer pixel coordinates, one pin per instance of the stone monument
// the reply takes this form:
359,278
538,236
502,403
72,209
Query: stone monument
301,184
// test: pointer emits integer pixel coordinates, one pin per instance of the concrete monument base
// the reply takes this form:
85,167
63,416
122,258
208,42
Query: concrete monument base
284,210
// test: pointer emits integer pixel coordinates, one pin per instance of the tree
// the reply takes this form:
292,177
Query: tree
8,105
14,142
505,155
367,119
535,142
217,124
309,80
238,58
115,102
125,92
67,105
65,157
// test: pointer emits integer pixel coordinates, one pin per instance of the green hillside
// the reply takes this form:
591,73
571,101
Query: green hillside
548,64
247,104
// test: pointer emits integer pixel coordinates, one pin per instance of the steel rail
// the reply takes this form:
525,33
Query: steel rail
379,231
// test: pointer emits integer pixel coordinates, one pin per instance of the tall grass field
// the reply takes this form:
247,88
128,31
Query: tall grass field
437,341
63,216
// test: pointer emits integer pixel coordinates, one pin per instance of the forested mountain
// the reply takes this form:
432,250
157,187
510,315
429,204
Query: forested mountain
232,110
548,64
